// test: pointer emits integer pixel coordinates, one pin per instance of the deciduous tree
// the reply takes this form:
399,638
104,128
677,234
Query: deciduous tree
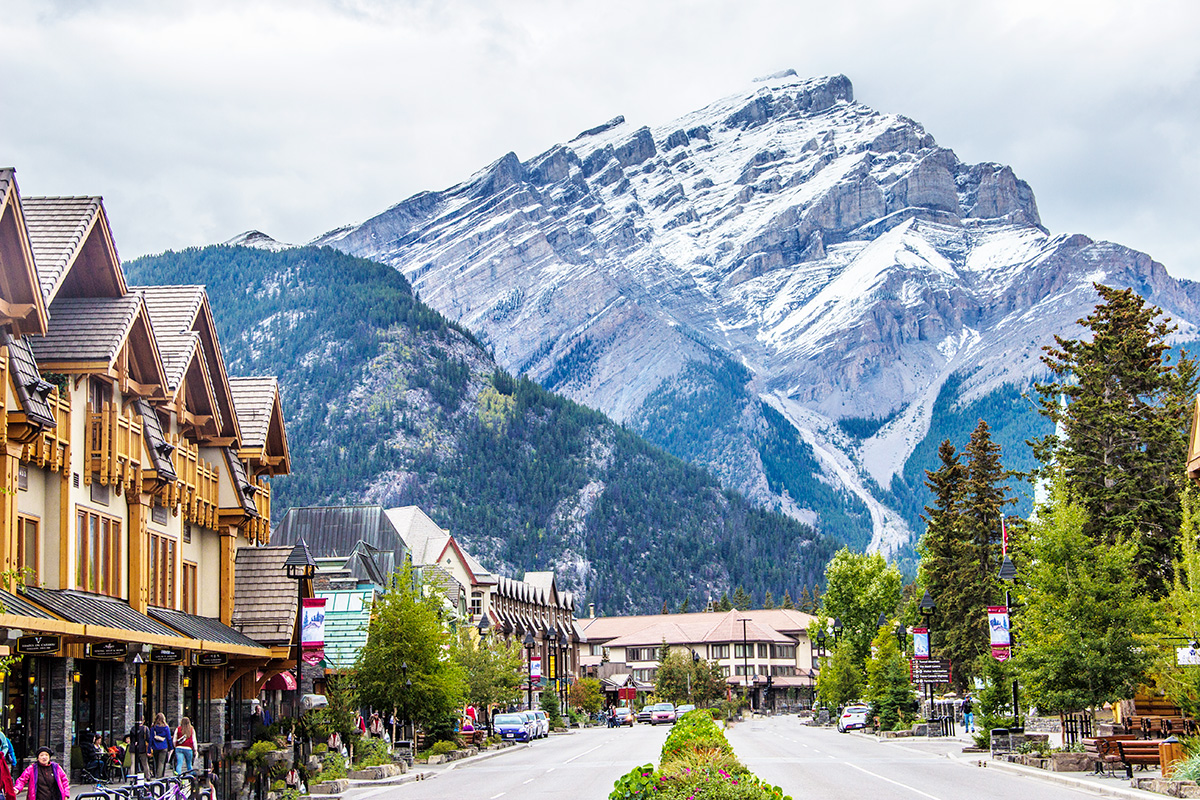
858,588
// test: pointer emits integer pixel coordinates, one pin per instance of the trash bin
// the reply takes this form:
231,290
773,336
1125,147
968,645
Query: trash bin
1001,741
1170,752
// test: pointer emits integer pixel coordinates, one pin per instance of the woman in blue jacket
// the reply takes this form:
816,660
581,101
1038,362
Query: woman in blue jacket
160,741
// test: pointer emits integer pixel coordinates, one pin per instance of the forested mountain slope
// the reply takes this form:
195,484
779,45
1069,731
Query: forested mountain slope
388,402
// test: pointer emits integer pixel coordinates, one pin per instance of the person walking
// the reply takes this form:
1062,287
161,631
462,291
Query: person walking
185,746
160,743
142,748
968,712
44,778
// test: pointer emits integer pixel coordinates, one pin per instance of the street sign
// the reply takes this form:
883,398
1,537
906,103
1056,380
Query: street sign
165,655
209,659
930,670
626,693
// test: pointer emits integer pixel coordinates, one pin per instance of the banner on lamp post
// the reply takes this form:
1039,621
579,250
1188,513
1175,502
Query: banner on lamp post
920,643
312,623
535,668
1001,652
998,626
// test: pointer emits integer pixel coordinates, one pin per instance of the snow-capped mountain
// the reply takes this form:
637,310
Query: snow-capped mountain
839,254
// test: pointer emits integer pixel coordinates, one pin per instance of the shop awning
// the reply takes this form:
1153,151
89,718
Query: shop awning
281,680
93,609
15,604
211,632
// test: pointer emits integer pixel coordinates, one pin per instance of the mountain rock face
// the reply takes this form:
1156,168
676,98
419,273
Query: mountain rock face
839,256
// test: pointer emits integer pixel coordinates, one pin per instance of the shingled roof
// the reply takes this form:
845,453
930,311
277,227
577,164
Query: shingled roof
337,531
89,329
32,391
58,227
264,602
254,400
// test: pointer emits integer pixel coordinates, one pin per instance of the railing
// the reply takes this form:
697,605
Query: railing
114,448
1076,728
196,492
52,447
259,530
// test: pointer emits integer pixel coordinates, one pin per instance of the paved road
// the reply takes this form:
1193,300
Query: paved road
809,763
577,766
820,763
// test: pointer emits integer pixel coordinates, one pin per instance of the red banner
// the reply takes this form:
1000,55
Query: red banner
1001,652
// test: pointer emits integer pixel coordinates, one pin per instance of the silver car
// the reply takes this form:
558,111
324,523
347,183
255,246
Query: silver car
543,721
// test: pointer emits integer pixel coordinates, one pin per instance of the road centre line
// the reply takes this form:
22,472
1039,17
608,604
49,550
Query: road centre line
528,781
584,753
493,797
889,780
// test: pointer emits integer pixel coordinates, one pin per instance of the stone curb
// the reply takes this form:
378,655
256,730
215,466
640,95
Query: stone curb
1061,778
480,757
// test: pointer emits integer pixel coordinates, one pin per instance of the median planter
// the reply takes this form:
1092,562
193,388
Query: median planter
377,773
1070,762
330,787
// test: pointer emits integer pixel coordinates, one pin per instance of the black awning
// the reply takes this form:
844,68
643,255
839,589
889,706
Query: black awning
95,609
205,628
14,604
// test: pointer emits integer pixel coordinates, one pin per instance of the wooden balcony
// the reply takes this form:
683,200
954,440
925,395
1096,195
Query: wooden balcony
196,492
115,448
259,530
52,448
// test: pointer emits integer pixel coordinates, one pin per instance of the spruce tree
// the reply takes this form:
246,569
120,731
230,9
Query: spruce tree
1121,416
768,600
741,600
786,602
723,604
683,607
806,604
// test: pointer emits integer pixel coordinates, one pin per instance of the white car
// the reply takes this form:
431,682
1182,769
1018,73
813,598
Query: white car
543,721
853,718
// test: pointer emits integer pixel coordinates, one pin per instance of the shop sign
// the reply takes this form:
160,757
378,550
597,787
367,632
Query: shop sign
38,645
165,655
107,650
209,659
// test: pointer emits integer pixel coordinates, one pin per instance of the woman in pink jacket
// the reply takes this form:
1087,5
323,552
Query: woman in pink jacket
45,779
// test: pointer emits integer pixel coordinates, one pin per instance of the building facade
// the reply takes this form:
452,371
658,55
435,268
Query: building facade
134,469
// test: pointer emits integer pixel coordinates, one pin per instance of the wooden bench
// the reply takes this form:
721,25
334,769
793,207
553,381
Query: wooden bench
1141,753
1103,752
472,738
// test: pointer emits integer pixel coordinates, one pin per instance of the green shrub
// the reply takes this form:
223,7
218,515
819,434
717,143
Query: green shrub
637,784
333,768
443,747
278,785
371,752
1187,770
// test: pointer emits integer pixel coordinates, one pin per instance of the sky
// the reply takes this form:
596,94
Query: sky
199,120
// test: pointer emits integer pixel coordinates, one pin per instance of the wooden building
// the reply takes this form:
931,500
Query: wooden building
134,469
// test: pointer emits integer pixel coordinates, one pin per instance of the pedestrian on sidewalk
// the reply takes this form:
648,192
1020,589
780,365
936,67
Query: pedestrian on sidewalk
968,713
185,746
45,778
142,749
161,741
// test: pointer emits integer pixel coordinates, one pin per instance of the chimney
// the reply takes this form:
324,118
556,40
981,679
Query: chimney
591,610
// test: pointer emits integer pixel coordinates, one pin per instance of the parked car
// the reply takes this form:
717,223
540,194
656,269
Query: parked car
644,715
681,710
513,727
662,712
543,721
624,716
535,727
853,717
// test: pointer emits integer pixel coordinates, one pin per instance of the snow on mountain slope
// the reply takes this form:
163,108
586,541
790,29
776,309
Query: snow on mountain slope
845,258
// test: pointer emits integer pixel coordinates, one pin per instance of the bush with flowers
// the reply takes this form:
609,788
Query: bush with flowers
697,763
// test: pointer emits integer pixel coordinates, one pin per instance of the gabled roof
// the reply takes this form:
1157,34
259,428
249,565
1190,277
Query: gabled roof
73,247
185,309
264,601
764,625
260,417
87,334
340,531
424,537
22,303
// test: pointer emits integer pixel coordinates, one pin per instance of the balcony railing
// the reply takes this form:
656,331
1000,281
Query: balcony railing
52,448
259,530
196,492
114,448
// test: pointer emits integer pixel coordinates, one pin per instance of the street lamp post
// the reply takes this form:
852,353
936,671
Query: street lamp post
1008,574
530,643
484,629
926,607
564,684
300,568
745,660
552,653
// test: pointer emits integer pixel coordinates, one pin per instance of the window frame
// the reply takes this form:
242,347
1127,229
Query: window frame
23,520
98,552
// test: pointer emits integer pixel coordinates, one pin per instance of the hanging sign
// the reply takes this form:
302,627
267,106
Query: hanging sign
998,626
535,668
107,650
312,622
38,645
1187,657
209,659
165,655
920,642
1001,652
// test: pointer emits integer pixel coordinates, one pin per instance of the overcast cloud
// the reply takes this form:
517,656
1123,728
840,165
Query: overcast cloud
197,121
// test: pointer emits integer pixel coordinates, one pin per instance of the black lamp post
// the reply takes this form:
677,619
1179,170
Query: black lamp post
882,620
552,652
530,643
745,660
901,637
837,630
564,683
300,568
820,639
1008,574
484,628
926,607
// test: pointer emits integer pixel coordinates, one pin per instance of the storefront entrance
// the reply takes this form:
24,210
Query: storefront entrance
99,700
30,710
